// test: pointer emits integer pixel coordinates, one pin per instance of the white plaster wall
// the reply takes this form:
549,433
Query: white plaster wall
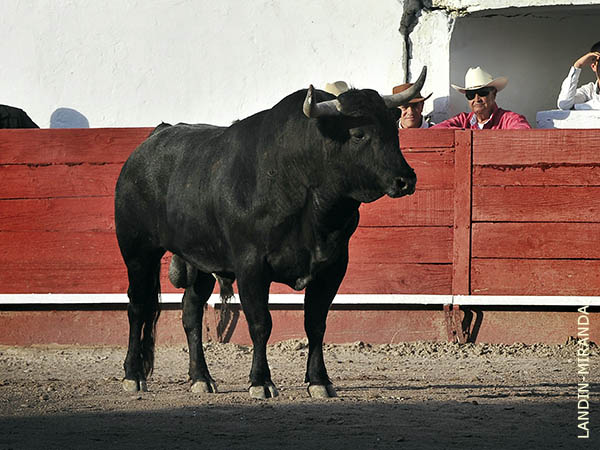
138,62
431,47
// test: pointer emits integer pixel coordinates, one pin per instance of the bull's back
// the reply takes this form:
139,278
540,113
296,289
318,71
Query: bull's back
141,193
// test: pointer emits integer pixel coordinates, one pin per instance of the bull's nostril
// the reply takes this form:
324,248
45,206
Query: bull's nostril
402,186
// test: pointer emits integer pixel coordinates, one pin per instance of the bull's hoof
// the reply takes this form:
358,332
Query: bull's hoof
263,392
321,391
134,385
204,387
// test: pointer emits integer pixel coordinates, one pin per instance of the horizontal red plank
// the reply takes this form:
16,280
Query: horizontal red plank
57,180
536,240
58,214
420,140
435,170
535,277
423,208
539,175
536,204
396,278
389,278
57,250
360,278
402,244
518,147
32,242
60,146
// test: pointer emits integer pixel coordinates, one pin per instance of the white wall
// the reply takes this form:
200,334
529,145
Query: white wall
120,63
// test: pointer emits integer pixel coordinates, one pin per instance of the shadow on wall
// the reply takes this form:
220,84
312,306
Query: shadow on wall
440,109
68,118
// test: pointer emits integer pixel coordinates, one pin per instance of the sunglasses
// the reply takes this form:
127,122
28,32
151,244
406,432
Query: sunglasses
483,92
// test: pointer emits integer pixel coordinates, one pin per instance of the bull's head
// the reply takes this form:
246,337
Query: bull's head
361,123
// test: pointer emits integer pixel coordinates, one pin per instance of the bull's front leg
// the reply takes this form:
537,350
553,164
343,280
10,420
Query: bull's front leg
319,295
254,296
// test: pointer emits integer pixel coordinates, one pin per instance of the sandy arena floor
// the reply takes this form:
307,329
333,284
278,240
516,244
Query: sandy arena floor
414,396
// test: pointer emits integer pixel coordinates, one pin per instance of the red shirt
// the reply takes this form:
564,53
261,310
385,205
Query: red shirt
501,120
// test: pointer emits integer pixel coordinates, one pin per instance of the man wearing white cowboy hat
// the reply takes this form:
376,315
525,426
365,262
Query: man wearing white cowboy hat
480,90
411,114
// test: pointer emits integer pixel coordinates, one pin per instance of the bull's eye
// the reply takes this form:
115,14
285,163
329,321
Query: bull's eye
357,134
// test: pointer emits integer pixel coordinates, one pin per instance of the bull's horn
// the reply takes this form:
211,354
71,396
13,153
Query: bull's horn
401,98
313,109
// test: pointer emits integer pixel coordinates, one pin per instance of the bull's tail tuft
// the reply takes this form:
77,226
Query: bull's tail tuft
225,288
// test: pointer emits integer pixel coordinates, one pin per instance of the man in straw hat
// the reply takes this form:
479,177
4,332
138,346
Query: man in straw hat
480,90
411,114
336,88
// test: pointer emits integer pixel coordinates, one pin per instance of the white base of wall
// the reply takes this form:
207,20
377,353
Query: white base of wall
298,299
557,118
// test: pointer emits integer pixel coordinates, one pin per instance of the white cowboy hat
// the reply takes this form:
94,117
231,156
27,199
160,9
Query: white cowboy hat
477,78
336,88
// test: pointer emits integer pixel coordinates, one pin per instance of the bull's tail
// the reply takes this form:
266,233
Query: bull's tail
226,314
182,275
148,341
225,288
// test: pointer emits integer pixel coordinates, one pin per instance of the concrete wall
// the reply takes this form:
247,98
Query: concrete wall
532,42
533,48
136,63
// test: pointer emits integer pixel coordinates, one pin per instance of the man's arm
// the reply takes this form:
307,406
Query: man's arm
569,94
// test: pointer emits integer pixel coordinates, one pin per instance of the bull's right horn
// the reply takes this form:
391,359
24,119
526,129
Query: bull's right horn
312,109
401,98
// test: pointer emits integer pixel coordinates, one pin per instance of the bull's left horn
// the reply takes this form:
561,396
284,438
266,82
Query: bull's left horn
395,100
312,109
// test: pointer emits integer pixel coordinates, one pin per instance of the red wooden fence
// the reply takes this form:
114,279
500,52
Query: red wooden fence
57,229
536,213
496,214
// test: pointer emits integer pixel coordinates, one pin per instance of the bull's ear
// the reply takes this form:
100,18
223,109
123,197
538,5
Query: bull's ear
312,109
395,100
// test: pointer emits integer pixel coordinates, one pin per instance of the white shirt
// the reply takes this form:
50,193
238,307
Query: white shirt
480,125
585,97
424,124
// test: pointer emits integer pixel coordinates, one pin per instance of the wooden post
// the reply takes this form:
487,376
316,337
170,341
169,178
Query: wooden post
461,255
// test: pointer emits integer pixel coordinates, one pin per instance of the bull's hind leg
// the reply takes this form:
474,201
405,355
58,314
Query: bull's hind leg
143,311
254,296
194,299
319,295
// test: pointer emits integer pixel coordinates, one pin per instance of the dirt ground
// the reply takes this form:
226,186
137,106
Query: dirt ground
410,395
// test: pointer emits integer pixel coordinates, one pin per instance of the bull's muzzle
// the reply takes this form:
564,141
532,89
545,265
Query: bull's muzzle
402,186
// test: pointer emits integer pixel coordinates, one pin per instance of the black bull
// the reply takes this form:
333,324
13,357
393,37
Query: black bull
273,197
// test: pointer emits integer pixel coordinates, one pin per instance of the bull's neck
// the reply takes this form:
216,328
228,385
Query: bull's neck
330,211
